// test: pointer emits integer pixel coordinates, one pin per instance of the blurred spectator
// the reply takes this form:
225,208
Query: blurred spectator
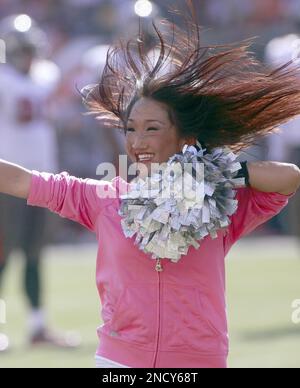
83,141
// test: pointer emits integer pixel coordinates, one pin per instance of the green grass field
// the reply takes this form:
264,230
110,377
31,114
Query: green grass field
262,281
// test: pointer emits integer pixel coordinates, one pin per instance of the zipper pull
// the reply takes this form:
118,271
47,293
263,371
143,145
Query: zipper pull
158,266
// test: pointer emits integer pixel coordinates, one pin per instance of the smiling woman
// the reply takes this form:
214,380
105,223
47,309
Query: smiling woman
151,137
173,315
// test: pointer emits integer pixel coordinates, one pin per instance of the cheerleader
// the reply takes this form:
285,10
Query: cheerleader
171,311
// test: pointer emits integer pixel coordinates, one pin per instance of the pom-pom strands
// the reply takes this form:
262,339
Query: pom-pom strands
189,198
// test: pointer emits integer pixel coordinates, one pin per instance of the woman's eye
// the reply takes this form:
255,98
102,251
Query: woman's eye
148,129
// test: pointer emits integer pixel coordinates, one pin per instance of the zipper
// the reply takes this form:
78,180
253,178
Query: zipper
158,266
159,270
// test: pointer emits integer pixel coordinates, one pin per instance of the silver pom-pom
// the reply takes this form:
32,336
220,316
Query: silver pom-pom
178,205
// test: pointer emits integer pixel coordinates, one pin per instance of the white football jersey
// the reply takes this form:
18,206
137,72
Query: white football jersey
26,136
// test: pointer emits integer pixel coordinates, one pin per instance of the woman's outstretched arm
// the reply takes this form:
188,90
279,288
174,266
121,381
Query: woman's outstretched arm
283,178
14,180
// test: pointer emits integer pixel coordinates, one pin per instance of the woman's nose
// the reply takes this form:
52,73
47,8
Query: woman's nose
139,142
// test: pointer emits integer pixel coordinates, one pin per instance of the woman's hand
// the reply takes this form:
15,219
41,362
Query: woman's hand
283,178
14,180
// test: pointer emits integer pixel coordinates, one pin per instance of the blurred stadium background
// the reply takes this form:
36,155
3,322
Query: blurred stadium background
263,270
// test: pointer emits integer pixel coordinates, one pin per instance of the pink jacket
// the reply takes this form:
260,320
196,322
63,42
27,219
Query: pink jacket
174,318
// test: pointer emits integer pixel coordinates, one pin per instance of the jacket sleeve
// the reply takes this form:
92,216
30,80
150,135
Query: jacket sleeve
80,200
254,208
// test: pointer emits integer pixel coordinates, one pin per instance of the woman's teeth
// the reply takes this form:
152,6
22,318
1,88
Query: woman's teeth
145,157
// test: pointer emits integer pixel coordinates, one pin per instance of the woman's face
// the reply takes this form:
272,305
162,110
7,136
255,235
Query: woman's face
150,136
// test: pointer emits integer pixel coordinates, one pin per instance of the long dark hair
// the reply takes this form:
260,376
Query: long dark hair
220,94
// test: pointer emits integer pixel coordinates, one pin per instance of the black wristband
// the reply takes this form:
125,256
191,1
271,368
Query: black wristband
244,173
